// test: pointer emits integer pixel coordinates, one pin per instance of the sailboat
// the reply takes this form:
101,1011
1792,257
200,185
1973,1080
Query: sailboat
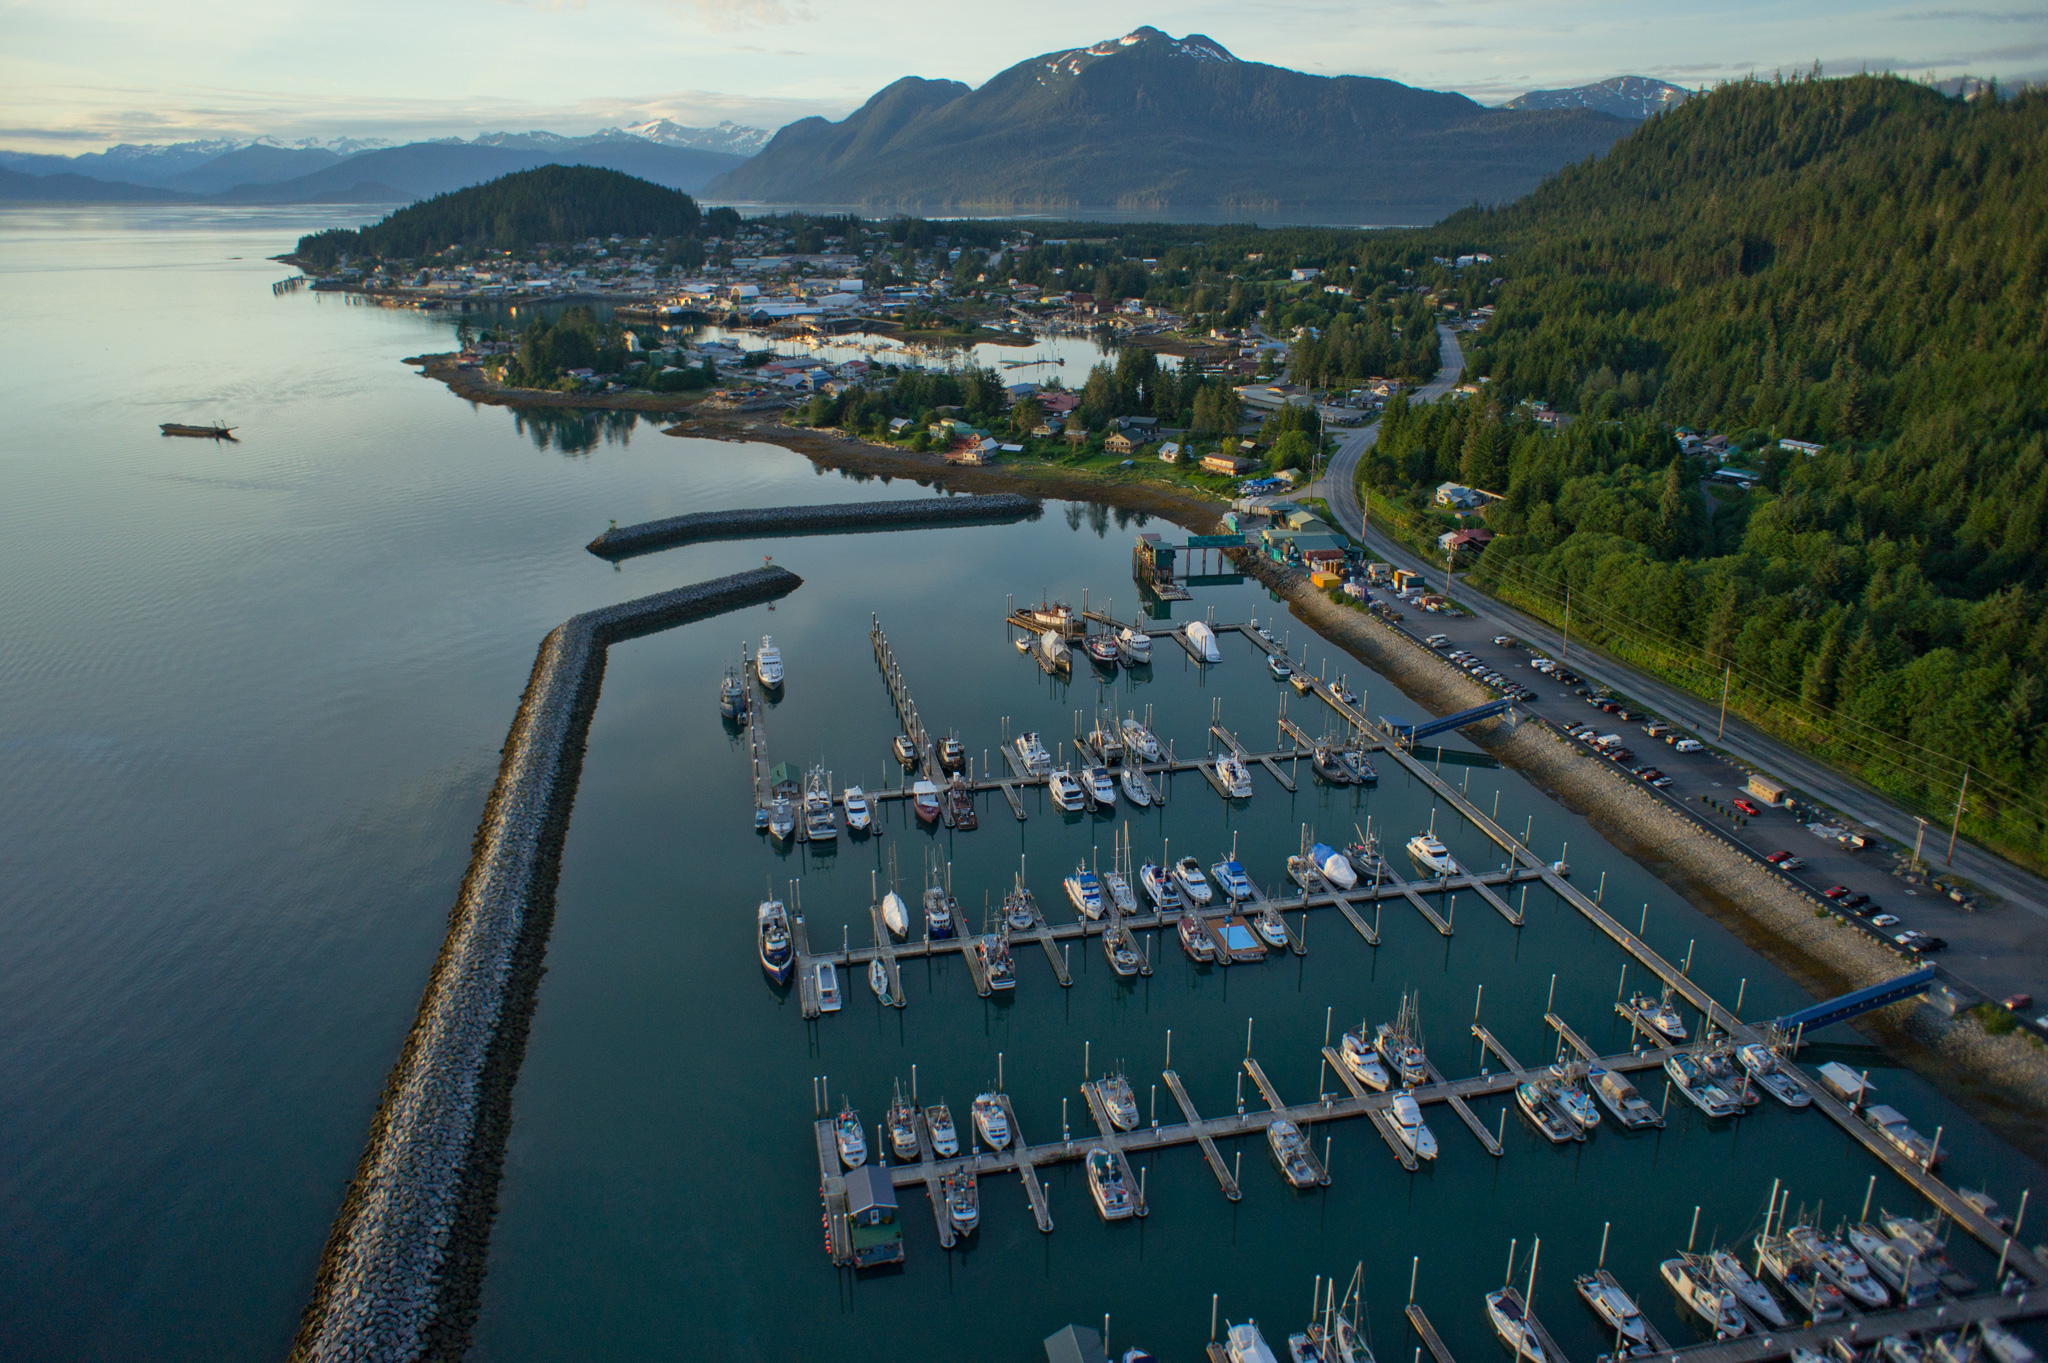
1335,1329
1400,1043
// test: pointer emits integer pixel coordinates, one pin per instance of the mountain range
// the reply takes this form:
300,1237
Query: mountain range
1151,123
1631,97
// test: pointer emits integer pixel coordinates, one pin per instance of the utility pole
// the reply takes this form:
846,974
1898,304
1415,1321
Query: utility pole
1566,651
1727,674
1919,837
1955,825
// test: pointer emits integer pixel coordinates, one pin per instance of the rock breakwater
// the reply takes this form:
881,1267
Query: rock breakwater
844,518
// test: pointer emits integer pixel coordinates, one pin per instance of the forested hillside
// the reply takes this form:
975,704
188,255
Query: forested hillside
1861,263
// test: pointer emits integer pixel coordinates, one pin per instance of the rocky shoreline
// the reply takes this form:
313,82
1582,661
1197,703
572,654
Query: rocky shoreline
401,1273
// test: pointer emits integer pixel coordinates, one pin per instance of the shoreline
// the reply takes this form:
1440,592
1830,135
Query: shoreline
2000,1080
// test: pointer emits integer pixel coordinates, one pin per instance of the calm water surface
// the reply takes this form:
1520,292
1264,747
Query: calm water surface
255,694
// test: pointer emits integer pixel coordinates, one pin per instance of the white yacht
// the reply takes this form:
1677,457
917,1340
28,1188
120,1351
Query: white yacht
963,1201
860,815
1160,887
1623,1318
1230,874
1291,1152
1843,1265
938,1120
768,663
1244,1344
1188,872
1031,752
821,820
1141,740
1433,856
1101,785
851,1137
991,1121
1764,1067
1118,1101
1204,639
1066,790
1106,1184
1757,1299
1409,1126
1694,1285
1135,645
1236,777
1084,889
1136,786
1363,1061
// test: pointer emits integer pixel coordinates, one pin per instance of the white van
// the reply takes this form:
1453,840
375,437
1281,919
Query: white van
1689,745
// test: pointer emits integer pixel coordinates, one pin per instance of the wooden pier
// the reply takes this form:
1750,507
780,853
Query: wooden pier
1431,1340
807,1000
1389,880
1020,1153
1247,756
1488,1042
885,952
1759,1346
1112,1140
1201,1137
1466,1115
1272,1097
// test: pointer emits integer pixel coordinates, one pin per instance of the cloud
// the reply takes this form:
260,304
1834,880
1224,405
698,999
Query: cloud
728,15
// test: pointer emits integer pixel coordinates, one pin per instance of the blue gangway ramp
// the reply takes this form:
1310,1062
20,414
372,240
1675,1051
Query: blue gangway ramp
1414,732
1860,1001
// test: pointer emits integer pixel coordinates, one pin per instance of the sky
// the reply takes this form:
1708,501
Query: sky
80,75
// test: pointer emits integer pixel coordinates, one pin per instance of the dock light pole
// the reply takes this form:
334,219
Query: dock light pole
1155,1107
1169,1048
1550,1003
1687,968
913,1084
1869,1190
1237,1167
1694,1233
1933,1151
999,1071
1622,983
1414,1271
1066,1131
1740,990
1329,1014
1600,895
1240,1093
1605,1226
1528,829
1248,1038
1501,1128
1085,1069
1213,1296
2020,1216
1478,997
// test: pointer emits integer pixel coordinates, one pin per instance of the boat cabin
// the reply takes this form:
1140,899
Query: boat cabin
871,1217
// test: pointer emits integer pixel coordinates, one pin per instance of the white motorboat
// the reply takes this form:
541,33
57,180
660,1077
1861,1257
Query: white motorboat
778,956
1031,752
1101,785
1538,1103
851,1138
895,914
768,664
1433,856
991,1121
1119,1101
1290,1151
1084,889
963,1201
1756,1299
1699,1088
1363,1061
2005,1346
1141,740
1764,1067
1333,866
782,819
1620,1097
1800,1274
1844,1266
938,1121
1572,1098
1244,1344
1203,638
1160,887
905,748
1279,667
860,815
826,976
1066,790
1230,874
1409,1126
878,982
1616,1309
821,819
1188,872
1694,1286
1267,923
1895,1264
1235,776
1120,893
1136,786
1135,645
1661,1014
1511,1322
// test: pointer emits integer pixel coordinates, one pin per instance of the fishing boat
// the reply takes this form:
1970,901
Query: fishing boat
1842,1266
895,914
1572,1099
905,749
941,914
1362,770
1291,1153
1279,667
2003,1345
992,949
1895,1264
1262,631
826,976
1343,692
1925,1241
1084,890
821,818
1539,1105
991,1121
1719,1065
851,1138
1235,776
924,801
1661,1014
1432,856
214,432
1137,788
1303,872
1616,1309
1020,908
1266,922
1106,744
778,956
902,1125
1032,754
732,696
1195,939
938,1123
1135,645
1409,1126
768,664
1122,950
1799,1273
1101,785
1765,1069
1400,1044
1329,764
878,983
1333,865
1141,740
952,753
963,1201
1119,1101
1048,615
1066,790
1188,872
1512,1323
1900,1349
1160,887
1203,638
860,815
1244,1344
1107,1186
782,818
1102,650
1694,1285
1230,874
960,805
1699,1088
1756,1299
1364,1063
1621,1098
1302,682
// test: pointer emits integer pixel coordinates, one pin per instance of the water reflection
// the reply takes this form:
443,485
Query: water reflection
577,430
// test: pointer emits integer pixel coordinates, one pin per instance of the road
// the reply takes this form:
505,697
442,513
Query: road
2002,947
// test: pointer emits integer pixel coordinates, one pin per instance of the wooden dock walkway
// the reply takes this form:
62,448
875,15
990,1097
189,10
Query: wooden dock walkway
1208,1144
1759,1346
1570,1037
941,1214
885,951
807,1001
1388,880
1273,1101
832,1192
1489,1042
1020,1154
1368,931
1112,1140
1247,756
1466,1115
1431,1340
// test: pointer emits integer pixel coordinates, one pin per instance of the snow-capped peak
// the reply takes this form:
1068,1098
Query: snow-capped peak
1195,47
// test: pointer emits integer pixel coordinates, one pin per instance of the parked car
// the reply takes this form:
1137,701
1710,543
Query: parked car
1778,858
1687,744
1856,900
1621,754
1835,891
1885,920
1504,640
1744,805
2018,1002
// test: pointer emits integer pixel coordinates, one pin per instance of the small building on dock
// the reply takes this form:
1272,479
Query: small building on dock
871,1218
